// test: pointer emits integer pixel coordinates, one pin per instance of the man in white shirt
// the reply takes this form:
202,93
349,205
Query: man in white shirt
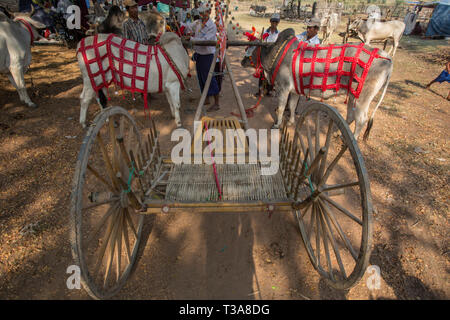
310,35
270,35
194,11
205,29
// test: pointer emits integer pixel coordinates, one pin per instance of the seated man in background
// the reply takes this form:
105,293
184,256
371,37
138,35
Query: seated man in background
270,35
134,28
310,35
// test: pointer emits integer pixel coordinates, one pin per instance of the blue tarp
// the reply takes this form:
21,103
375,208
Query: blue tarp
439,24
162,7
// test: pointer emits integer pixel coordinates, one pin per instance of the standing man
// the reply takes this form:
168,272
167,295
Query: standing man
134,28
194,11
205,29
270,35
312,29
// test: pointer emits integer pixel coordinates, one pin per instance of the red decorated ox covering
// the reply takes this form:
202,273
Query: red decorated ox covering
107,66
338,70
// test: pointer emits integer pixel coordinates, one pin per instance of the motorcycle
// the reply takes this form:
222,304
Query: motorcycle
56,28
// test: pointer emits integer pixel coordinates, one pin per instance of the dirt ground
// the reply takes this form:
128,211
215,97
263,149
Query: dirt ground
214,256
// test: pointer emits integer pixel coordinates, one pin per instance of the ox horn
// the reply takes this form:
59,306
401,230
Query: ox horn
29,14
9,13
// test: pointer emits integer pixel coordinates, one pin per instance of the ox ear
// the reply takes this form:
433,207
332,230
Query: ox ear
36,24
3,17
168,37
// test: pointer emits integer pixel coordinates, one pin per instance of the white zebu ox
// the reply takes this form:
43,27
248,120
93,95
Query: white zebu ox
371,29
377,78
170,83
15,50
329,23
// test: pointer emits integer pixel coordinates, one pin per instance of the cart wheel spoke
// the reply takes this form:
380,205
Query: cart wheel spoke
112,244
327,146
112,138
112,209
317,132
335,248
94,205
317,230
325,245
119,247
106,241
340,186
332,165
101,179
312,152
130,222
329,213
126,239
311,222
342,209
106,160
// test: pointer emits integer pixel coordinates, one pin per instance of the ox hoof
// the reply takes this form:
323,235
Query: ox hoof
275,126
290,123
32,105
83,125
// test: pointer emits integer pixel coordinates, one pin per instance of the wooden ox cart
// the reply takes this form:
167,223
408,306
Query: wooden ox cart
121,176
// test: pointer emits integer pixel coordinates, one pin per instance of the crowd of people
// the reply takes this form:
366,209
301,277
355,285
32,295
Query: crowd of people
196,24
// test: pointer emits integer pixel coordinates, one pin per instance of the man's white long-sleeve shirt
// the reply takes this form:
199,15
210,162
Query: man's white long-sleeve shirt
313,40
206,33
272,36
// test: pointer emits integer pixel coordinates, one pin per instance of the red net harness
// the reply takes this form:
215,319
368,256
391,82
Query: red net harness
29,28
113,69
299,73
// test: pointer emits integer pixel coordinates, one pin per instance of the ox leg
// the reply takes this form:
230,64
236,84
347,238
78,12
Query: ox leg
293,101
85,98
17,79
173,95
350,110
394,47
282,100
360,118
169,99
11,79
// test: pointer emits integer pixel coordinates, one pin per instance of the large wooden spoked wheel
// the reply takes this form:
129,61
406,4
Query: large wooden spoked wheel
107,194
336,225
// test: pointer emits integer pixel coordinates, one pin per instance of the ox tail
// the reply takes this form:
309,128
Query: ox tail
102,99
370,123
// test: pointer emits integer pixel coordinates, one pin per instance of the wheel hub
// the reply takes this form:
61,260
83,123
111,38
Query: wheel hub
124,199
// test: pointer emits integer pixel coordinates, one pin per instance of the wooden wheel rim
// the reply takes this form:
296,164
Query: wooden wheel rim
76,207
366,200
